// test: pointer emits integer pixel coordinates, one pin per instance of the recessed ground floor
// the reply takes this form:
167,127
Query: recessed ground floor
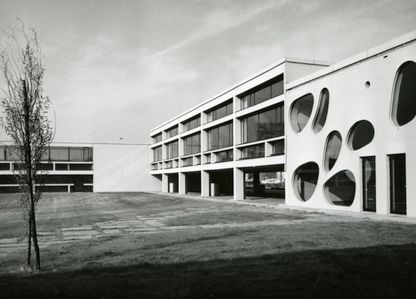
239,183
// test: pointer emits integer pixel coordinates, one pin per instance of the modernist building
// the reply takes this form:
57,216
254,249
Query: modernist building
74,167
341,136
231,144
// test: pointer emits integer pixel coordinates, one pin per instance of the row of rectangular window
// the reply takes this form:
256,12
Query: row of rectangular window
248,152
253,151
7,153
263,92
192,123
157,138
254,96
49,166
225,156
220,111
172,132
221,137
258,150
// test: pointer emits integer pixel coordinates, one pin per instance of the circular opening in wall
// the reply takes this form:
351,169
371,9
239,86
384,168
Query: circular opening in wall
300,112
340,189
322,111
305,179
404,94
360,134
367,84
332,149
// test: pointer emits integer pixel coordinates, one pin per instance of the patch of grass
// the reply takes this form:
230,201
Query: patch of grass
346,273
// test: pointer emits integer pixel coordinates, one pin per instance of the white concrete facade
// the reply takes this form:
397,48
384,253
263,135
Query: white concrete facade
121,168
360,88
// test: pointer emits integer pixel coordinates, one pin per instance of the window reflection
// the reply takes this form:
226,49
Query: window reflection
263,125
263,92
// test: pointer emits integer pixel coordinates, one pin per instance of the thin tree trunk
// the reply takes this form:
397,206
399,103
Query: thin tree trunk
29,240
28,158
34,233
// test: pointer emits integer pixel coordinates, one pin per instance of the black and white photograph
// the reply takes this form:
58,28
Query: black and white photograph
207,149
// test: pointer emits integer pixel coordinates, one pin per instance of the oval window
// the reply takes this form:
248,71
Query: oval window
404,94
360,134
340,189
332,149
322,111
300,112
305,179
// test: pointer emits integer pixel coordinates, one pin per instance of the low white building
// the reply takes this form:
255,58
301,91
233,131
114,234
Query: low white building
84,167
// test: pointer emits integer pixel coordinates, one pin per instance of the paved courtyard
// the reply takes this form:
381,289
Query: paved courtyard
124,214
65,218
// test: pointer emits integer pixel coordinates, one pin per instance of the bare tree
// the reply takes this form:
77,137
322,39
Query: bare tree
26,120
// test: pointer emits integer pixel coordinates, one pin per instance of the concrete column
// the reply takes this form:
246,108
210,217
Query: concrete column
204,141
181,149
164,152
165,183
204,183
256,183
236,131
236,104
181,183
238,184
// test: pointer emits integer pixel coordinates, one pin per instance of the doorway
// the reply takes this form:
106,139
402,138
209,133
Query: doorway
397,167
368,171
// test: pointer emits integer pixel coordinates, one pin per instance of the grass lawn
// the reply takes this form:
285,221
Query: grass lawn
203,249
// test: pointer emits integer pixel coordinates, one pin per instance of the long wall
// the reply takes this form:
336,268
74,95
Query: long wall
121,168
86,167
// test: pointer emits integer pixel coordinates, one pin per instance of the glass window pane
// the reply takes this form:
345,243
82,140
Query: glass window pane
11,154
224,136
59,153
2,153
277,89
267,124
215,138
75,153
252,126
262,95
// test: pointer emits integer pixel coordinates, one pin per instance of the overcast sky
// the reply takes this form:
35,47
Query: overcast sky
116,69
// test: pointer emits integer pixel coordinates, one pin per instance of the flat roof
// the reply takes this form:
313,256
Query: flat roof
69,143
263,71
379,50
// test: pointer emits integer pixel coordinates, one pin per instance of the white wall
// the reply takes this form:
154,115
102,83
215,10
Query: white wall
351,101
121,168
